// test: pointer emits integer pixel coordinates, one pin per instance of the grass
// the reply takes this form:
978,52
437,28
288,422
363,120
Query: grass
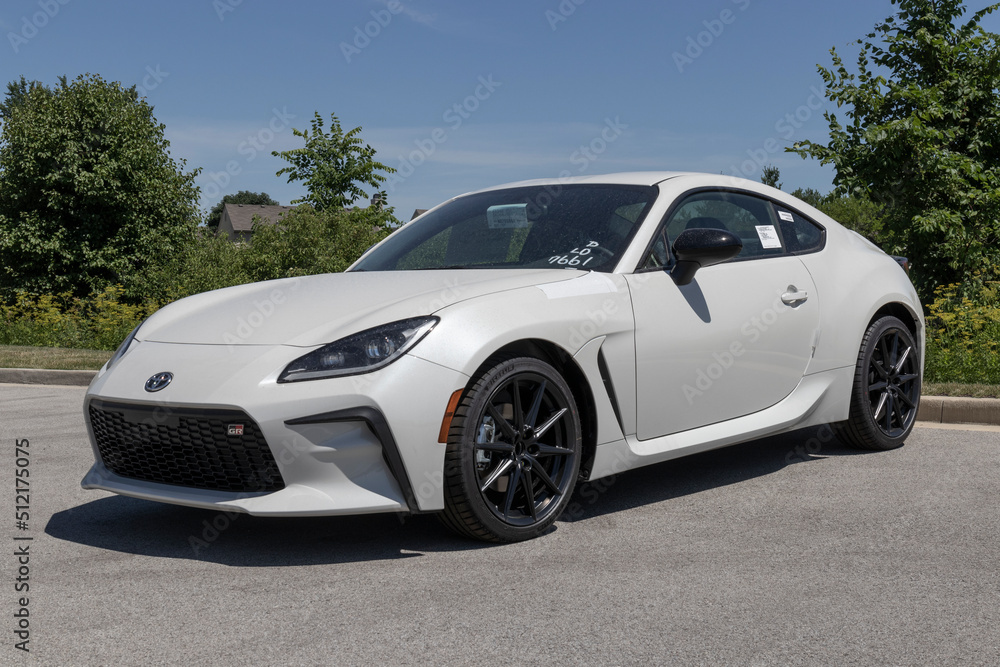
20,356
17,356
959,389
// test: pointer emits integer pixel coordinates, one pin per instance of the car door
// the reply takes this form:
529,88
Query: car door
734,341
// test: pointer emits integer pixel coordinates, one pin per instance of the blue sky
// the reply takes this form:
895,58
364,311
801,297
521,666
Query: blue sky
460,95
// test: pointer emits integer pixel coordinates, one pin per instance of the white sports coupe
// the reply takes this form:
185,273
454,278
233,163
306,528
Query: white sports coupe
489,354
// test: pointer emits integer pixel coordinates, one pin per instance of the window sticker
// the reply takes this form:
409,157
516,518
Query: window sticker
508,216
768,236
786,216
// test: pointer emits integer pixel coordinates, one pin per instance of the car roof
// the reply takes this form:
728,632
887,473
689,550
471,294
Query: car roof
622,178
683,178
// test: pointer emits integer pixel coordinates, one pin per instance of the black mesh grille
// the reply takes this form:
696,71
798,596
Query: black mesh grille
199,449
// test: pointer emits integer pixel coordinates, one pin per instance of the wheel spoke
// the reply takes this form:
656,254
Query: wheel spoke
877,365
882,343
878,386
544,476
512,484
906,399
529,492
536,404
500,447
498,419
890,409
518,410
552,450
898,366
909,377
881,405
540,431
496,474
897,408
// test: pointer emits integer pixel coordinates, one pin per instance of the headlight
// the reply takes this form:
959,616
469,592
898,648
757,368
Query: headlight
123,348
361,353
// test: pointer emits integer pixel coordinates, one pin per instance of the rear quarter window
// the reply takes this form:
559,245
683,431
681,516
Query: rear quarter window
801,234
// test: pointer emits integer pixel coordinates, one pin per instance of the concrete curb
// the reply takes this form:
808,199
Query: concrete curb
42,376
952,410
937,409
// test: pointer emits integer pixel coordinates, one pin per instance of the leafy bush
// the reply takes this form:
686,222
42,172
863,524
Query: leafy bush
304,242
99,322
963,333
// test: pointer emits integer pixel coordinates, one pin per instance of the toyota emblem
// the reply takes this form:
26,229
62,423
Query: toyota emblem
159,381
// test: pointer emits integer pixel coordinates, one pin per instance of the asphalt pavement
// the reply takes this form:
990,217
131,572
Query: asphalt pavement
792,550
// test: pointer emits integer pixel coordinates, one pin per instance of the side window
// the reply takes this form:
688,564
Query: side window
751,219
802,235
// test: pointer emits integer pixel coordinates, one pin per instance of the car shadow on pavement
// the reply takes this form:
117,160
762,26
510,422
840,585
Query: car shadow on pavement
148,528
700,472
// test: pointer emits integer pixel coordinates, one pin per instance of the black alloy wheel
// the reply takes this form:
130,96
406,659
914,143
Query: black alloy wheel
886,392
513,452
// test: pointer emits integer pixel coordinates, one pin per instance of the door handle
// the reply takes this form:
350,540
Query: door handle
793,296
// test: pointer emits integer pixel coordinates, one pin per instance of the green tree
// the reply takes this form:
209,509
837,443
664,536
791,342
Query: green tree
304,242
89,194
771,175
922,136
857,213
811,196
863,216
17,93
335,167
241,197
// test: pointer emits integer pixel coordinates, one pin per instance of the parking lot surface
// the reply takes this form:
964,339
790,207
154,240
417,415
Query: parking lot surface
792,550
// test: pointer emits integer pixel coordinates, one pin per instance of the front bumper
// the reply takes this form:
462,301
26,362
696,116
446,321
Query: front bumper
350,445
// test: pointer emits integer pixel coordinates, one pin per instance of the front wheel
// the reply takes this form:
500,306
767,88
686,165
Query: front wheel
886,391
513,453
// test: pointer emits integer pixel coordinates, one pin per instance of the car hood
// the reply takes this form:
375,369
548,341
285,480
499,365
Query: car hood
313,310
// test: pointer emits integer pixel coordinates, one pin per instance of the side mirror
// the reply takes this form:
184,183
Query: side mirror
698,248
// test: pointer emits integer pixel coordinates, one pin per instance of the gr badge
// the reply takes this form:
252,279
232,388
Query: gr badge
235,429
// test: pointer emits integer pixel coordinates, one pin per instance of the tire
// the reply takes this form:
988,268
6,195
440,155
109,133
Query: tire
886,391
513,453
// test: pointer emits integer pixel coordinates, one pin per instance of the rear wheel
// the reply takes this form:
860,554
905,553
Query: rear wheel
513,452
886,390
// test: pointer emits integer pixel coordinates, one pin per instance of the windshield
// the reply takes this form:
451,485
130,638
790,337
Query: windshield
557,226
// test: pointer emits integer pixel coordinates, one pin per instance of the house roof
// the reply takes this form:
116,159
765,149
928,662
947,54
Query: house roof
241,215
